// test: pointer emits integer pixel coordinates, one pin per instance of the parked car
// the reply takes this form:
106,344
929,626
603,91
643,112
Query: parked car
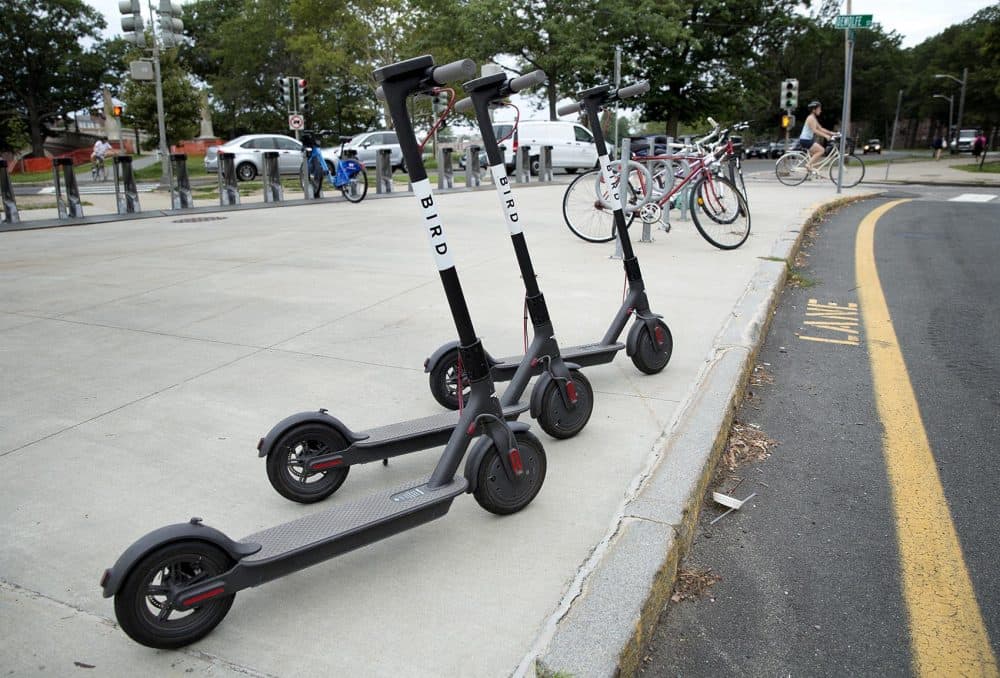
484,163
368,144
249,149
761,149
872,146
966,137
780,147
572,144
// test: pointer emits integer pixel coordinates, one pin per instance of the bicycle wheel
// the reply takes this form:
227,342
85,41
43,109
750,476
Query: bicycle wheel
356,188
584,214
854,171
720,212
791,168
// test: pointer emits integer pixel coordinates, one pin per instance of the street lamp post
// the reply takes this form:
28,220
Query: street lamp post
961,96
951,101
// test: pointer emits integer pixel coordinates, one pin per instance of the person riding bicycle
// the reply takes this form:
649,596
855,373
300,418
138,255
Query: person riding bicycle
810,128
101,149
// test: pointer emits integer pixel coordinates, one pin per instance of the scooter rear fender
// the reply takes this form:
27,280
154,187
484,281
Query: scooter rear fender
438,355
319,417
115,576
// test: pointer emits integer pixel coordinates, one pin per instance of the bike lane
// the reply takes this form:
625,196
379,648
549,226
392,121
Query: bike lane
813,568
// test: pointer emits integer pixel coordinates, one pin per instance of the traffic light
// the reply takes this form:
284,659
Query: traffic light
117,111
171,27
789,94
132,22
302,94
286,91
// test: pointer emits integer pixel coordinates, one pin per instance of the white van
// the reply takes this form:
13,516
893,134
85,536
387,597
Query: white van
572,144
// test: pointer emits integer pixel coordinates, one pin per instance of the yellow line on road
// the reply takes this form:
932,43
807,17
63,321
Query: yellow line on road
947,633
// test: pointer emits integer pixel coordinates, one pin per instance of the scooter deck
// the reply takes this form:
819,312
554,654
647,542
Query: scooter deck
349,526
436,424
584,355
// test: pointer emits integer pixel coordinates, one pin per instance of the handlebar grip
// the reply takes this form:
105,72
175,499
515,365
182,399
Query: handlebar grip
711,121
528,80
463,69
633,90
463,105
380,93
566,109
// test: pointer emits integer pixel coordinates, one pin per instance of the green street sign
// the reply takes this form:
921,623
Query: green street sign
853,21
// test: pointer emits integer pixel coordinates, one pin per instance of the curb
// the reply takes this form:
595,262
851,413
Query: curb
613,606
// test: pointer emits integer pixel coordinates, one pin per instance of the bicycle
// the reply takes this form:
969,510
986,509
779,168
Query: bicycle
347,175
792,168
718,207
97,169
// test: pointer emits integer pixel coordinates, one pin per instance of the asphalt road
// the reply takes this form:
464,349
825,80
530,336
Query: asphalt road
815,570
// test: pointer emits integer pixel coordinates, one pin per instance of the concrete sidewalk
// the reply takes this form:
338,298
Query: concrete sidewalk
143,359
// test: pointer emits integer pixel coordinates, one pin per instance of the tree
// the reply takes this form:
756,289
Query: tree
181,102
45,71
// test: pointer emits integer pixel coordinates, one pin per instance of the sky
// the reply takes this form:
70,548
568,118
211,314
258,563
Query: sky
915,20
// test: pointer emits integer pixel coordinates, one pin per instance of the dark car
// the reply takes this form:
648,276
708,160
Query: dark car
872,146
780,147
761,149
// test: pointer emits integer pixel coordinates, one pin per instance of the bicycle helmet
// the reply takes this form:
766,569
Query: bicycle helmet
814,103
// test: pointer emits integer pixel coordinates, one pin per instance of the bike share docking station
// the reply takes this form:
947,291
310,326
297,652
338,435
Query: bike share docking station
180,185
10,213
69,207
126,193
273,191
229,192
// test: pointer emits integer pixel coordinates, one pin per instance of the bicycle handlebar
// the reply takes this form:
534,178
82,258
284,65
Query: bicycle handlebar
462,69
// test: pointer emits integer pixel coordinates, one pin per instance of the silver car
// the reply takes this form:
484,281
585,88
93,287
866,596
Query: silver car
367,145
249,150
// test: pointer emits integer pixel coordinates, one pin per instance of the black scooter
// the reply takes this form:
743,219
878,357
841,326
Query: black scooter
649,343
174,585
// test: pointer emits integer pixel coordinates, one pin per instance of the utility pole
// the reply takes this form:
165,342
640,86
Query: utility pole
895,124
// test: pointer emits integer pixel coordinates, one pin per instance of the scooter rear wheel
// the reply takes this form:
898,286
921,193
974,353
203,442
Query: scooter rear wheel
495,492
559,420
143,605
444,381
653,353
286,463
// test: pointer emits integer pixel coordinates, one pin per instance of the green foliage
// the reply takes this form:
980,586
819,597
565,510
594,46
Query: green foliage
45,71
181,103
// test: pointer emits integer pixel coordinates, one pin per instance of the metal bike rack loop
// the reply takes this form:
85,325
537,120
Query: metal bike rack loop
70,207
180,188
383,171
10,213
229,193
273,192
522,164
126,193
545,164
473,172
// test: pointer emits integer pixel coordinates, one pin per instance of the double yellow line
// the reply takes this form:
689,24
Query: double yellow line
946,627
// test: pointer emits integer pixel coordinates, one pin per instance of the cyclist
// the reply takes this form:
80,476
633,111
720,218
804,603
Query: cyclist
101,149
807,137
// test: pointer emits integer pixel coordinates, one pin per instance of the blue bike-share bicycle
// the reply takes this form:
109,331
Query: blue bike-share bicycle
347,175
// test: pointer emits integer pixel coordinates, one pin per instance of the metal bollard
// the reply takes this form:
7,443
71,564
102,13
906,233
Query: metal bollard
180,188
545,164
446,173
383,171
273,191
10,214
473,172
71,207
522,164
126,193
229,193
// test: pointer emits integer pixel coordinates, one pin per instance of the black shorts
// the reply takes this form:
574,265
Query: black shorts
806,144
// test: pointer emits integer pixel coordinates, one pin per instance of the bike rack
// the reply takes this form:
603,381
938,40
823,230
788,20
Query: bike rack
522,164
180,188
126,193
545,164
229,194
10,214
273,192
473,172
383,171
446,173
71,207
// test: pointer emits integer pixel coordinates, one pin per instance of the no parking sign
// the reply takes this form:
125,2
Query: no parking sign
296,121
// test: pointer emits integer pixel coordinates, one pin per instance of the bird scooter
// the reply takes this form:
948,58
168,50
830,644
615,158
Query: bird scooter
175,584
649,343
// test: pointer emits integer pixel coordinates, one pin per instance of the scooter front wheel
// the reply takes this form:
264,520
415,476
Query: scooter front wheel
286,463
501,495
144,605
556,417
653,350
444,378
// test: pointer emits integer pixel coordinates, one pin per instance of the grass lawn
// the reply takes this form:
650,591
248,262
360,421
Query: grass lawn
992,167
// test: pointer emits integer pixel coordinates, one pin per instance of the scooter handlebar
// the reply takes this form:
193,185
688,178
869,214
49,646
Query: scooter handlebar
380,93
566,109
528,80
633,90
463,105
463,69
